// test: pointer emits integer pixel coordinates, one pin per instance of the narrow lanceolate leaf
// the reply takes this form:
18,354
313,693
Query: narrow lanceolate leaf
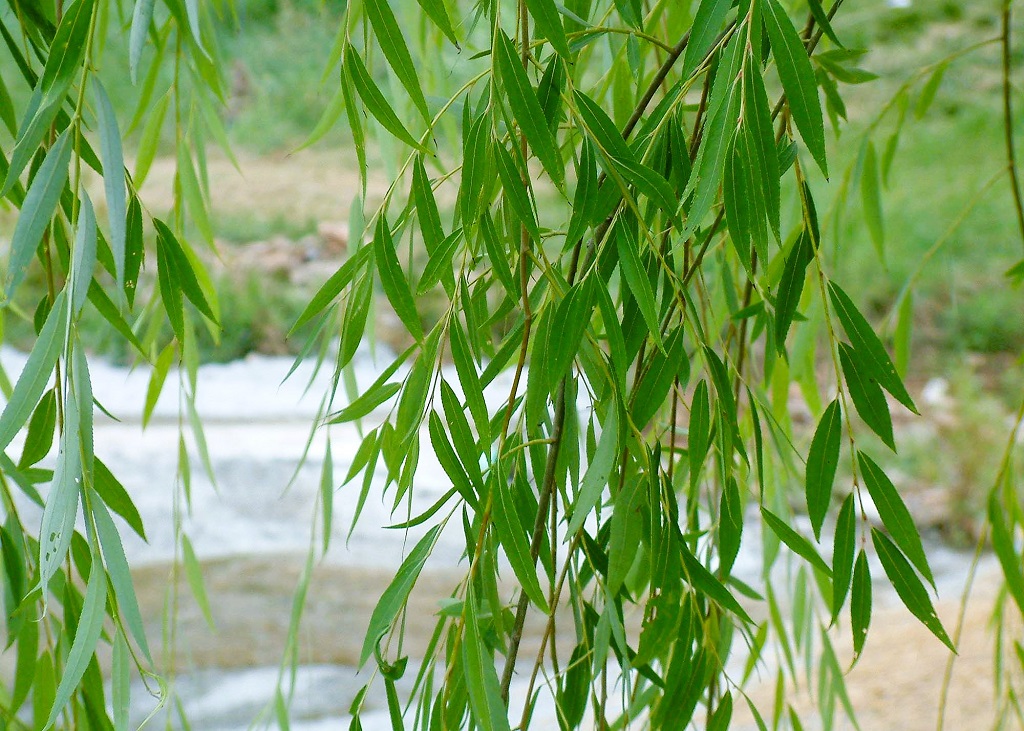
440,263
392,278
526,108
194,575
704,581
909,587
37,210
120,577
842,554
868,347
1002,544
549,24
333,286
437,13
895,516
651,392
871,199
796,542
392,44
699,431
37,372
860,603
480,675
394,596
58,522
516,191
83,256
513,536
598,473
707,24
142,16
791,286
636,279
366,403
757,118
375,101
326,498
90,626
120,682
797,79
66,51
39,438
822,460
867,395
113,179
183,268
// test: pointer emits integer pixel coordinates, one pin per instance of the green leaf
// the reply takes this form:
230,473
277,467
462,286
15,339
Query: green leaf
392,45
860,603
513,536
449,460
707,24
37,372
796,542
868,347
797,79
549,25
655,384
37,210
871,198
635,275
842,554
113,178
705,583
730,525
1002,544
134,250
573,315
326,498
120,575
699,434
822,460
488,710
394,597
909,587
930,89
39,438
194,574
526,108
333,286
516,191
867,396
181,274
426,205
598,473
469,379
791,287
90,626
116,497
142,16
83,256
366,403
58,522
439,16
396,287
375,101
66,51
895,516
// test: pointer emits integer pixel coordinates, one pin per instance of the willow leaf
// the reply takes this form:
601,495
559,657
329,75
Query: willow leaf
797,79
822,460
392,44
392,278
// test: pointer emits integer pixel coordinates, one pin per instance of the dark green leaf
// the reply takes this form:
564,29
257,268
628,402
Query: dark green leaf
375,100
392,278
797,79
113,179
822,460
707,24
598,473
549,25
796,542
182,271
333,286
842,554
868,347
66,51
655,384
705,582
895,516
1002,544
39,438
635,275
867,396
909,587
366,403
860,603
395,50
513,537
526,108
